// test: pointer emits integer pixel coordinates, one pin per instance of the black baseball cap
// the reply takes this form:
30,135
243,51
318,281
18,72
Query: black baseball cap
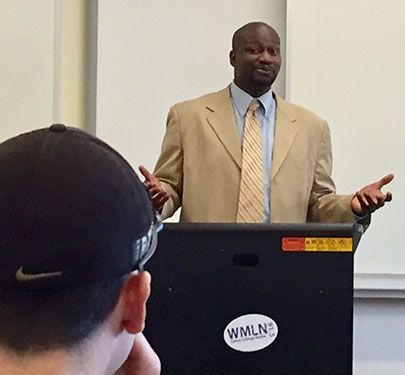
72,211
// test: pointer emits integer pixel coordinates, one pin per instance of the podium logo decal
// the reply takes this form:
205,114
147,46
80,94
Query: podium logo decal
250,333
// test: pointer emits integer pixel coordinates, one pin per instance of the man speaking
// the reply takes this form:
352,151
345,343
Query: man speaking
243,154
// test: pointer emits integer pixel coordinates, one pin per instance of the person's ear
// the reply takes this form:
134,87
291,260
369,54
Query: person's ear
135,293
232,58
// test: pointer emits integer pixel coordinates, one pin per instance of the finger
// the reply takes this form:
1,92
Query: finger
152,185
156,193
164,197
160,203
374,202
145,173
161,197
362,200
367,206
381,201
388,197
371,200
384,181
154,190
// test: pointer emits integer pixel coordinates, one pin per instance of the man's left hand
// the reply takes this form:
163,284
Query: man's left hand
370,197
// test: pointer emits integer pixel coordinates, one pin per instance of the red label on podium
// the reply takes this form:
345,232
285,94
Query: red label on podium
293,243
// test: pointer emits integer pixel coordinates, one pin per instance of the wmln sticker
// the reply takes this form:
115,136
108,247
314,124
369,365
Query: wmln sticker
249,333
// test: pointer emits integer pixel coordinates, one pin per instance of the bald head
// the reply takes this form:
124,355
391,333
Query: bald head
255,57
243,32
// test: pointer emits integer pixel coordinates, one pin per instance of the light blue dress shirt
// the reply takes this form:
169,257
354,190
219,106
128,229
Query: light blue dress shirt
266,114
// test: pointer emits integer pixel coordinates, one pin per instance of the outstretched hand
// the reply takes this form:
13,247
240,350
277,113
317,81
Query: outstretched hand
158,195
371,198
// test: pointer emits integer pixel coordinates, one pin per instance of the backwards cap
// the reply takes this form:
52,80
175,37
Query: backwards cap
72,211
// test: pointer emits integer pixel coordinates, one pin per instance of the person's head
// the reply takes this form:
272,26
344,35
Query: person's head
76,228
256,58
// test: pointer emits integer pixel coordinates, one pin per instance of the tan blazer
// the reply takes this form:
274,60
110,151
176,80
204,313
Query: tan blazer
200,164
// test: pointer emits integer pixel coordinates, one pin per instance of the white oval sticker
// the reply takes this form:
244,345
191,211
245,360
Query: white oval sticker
250,333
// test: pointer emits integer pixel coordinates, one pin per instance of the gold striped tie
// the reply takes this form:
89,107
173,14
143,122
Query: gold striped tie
250,207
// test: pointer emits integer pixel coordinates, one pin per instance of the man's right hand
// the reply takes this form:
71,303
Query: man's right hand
158,195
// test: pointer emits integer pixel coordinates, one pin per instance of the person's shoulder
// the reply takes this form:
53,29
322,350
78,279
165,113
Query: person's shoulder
208,100
297,112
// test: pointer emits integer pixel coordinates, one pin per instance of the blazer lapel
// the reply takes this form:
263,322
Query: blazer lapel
222,120
285,132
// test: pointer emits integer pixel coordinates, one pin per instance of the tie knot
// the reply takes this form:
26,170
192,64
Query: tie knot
254,104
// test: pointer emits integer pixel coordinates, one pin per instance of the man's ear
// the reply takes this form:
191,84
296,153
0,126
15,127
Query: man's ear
232,58
135,293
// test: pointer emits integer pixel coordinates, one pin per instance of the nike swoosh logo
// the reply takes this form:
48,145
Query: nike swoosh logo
21,276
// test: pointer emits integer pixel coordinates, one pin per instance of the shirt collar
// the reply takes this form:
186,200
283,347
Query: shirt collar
242,99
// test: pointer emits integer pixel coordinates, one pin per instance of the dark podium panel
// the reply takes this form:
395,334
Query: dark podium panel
206,275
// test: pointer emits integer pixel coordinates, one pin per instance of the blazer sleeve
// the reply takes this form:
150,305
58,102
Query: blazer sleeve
169,167
324,204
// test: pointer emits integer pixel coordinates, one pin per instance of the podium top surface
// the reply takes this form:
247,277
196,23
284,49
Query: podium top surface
332,228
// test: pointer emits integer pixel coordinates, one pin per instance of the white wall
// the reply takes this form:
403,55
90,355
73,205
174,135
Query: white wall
26,65
45,70
379,330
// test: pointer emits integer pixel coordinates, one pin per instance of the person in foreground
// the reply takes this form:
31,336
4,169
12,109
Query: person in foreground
76,229
219,170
